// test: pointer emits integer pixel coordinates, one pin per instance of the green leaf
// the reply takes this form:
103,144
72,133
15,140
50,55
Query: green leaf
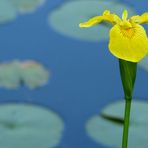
29,73
128,76
10,75
34,74
9,9
108,131
29,126
27,5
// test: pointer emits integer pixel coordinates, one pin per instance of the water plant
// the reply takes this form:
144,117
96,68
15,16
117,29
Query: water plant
129,43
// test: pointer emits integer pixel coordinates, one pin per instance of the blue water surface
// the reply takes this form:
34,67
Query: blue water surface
84,75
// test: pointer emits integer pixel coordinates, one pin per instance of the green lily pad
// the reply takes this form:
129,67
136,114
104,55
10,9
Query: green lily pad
144,63
34,74
29,126
7,11
29,73
10,75
107,127
66,18
27,5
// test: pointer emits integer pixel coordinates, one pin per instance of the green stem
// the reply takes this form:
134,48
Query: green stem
128,75
126,123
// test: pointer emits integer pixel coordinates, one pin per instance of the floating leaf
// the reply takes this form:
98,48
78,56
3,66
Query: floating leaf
29,73
29,126
9,9
66,18
10,75
33,74
107,127
27,5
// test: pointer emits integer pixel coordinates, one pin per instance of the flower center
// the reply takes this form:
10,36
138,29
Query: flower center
127,28
128,33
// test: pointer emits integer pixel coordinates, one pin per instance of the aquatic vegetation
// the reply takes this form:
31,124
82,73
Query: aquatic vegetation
27,5
10,9
10,75
78,11
28,73
7,11
106,128
34,74
31,126
129,43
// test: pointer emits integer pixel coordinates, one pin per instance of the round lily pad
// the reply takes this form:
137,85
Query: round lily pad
65,19
28,73
27,5
144,63
29,126
10,75
7,11
107,127
33,74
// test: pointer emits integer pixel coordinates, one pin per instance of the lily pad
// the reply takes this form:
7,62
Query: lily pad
29,126
27,5
28,73
107,127
10,75
34,74
9,9
66,18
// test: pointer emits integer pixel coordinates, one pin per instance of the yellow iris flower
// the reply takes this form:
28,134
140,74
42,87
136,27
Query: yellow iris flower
128,39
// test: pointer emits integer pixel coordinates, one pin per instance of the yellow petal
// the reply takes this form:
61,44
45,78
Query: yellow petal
140,19
106,12
135,19
107,16
144,18
111,17
93,21
125,15
128,44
